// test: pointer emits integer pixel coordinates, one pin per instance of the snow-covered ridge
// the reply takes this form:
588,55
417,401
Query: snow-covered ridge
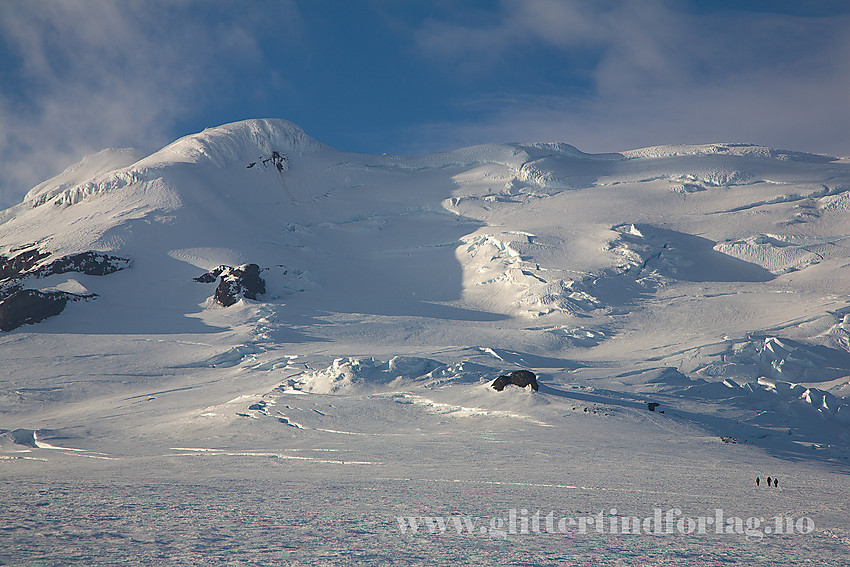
694,305
548,167
731,149
511,154
93,165
238,143
779,253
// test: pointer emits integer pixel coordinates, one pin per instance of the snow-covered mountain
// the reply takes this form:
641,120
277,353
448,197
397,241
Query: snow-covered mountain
249,287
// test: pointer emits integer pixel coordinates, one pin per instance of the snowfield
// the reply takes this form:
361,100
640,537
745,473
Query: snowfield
147,424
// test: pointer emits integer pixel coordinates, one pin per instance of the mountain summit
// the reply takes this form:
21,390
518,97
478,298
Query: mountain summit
216,292
248,307
535,235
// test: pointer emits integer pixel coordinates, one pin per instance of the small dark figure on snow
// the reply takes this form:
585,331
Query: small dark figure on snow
757,481
768,481
775,482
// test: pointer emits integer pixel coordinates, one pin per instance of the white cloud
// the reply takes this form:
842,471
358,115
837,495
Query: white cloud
87,74
657,75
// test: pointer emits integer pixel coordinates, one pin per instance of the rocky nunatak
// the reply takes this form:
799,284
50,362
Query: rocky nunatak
278,160
20,306
235,283
521,378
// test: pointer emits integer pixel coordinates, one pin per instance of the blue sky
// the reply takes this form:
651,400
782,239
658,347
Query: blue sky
406,76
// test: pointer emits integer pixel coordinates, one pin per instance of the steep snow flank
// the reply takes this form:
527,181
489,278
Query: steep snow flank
94,165
236,143
196,186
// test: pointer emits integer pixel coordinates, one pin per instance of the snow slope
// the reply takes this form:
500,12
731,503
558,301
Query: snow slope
712,280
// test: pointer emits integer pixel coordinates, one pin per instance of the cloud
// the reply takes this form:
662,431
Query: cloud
87,74
518,23
650,73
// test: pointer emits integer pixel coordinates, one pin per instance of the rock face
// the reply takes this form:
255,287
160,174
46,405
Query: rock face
20,306
17,266
277,160
521,378
234,283
28,306
89,263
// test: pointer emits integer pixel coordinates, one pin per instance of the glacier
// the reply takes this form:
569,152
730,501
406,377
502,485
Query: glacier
150,423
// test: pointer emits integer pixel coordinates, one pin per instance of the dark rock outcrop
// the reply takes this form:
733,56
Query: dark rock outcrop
521,378
89,263
212,275
16,267
244,281
20,306
234,283
277,159
8,290
28,306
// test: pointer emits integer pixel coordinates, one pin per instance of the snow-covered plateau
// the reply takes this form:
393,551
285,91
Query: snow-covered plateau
250,348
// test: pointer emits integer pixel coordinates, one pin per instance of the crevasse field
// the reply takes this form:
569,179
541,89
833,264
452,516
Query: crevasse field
346,415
